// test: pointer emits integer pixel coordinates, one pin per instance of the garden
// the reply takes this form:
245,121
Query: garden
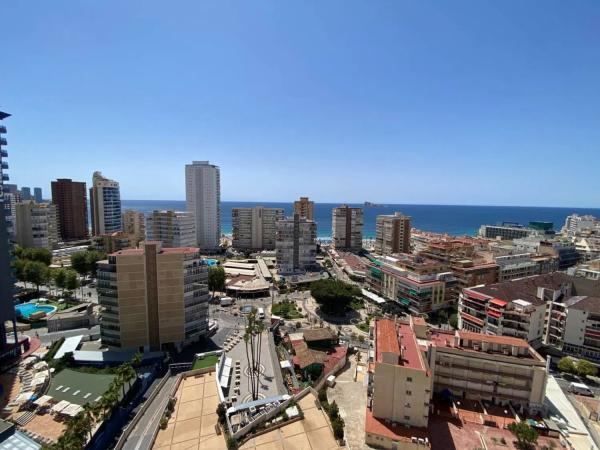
286,310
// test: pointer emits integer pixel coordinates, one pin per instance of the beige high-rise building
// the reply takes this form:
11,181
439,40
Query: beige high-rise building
347,228
304,208
254,228
172,228
134,225
296,244
203,200
392,234
36,225
153,298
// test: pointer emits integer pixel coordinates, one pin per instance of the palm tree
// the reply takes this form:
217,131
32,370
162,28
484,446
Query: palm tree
136,361
129,374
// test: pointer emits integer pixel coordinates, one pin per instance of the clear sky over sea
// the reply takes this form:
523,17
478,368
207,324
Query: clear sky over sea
450,102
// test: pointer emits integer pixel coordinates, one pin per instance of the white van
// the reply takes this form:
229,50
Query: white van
226,301
261,313
580,389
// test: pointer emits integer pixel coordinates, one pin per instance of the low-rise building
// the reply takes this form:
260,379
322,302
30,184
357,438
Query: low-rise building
79,316
112,242
134,224
421,285
172,228
153,298
37,225
506,231
410,363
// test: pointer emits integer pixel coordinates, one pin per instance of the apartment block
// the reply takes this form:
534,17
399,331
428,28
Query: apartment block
70,197
411,362
305,208
112,242
37,195
498,370
37,225
392,234
105,205
347,228
506,231
153,298
420,285
254,228
513,308
574,326
295,245
203,200
172,228
7,309
134,225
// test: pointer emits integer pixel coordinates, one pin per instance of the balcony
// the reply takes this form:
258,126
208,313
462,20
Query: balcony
4,165
3,141
2,129
5,177
3,154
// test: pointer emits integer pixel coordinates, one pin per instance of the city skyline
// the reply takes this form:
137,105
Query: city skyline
468,104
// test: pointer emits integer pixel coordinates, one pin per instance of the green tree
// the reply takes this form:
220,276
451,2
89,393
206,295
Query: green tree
79,263
585,368
216,279
93,256
35,272
334,296
526,435
453,320
71,280
566,365
60,278
338,428
136,361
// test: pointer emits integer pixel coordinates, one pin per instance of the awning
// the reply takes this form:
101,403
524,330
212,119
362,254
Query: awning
44,399
24,397
60,406
405,301
72,410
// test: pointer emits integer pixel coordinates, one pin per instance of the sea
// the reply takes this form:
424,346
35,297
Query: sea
455,220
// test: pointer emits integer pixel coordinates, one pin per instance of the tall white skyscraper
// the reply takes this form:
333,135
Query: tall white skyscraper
105,203
203,200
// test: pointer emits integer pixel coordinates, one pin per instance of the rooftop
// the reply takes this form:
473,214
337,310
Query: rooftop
398,338
319,334
373,425
582,303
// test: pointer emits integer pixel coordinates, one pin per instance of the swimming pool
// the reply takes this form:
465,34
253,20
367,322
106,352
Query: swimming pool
27,309
211,262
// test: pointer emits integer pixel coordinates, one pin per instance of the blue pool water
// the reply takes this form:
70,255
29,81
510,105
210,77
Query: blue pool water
27,309
211,262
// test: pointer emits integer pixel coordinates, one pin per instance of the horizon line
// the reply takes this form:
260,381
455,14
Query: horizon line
375,204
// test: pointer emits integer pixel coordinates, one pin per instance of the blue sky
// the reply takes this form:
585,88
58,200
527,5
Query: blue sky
454,102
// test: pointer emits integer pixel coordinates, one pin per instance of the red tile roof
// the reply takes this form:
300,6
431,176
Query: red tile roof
502,340
390,336
376,426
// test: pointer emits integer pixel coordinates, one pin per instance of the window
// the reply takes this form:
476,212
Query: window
408,392
407,405
409,379
406,417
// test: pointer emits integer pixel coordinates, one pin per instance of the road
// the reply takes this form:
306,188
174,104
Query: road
142,436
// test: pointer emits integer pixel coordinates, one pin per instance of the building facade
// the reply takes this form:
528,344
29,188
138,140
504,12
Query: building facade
203,200
105,205
37,225
153,298
295,244
172,228
70,198
305,208
347,228
254,228
37,195
109,243
505,231
26,194
7,307
392,234
134,225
